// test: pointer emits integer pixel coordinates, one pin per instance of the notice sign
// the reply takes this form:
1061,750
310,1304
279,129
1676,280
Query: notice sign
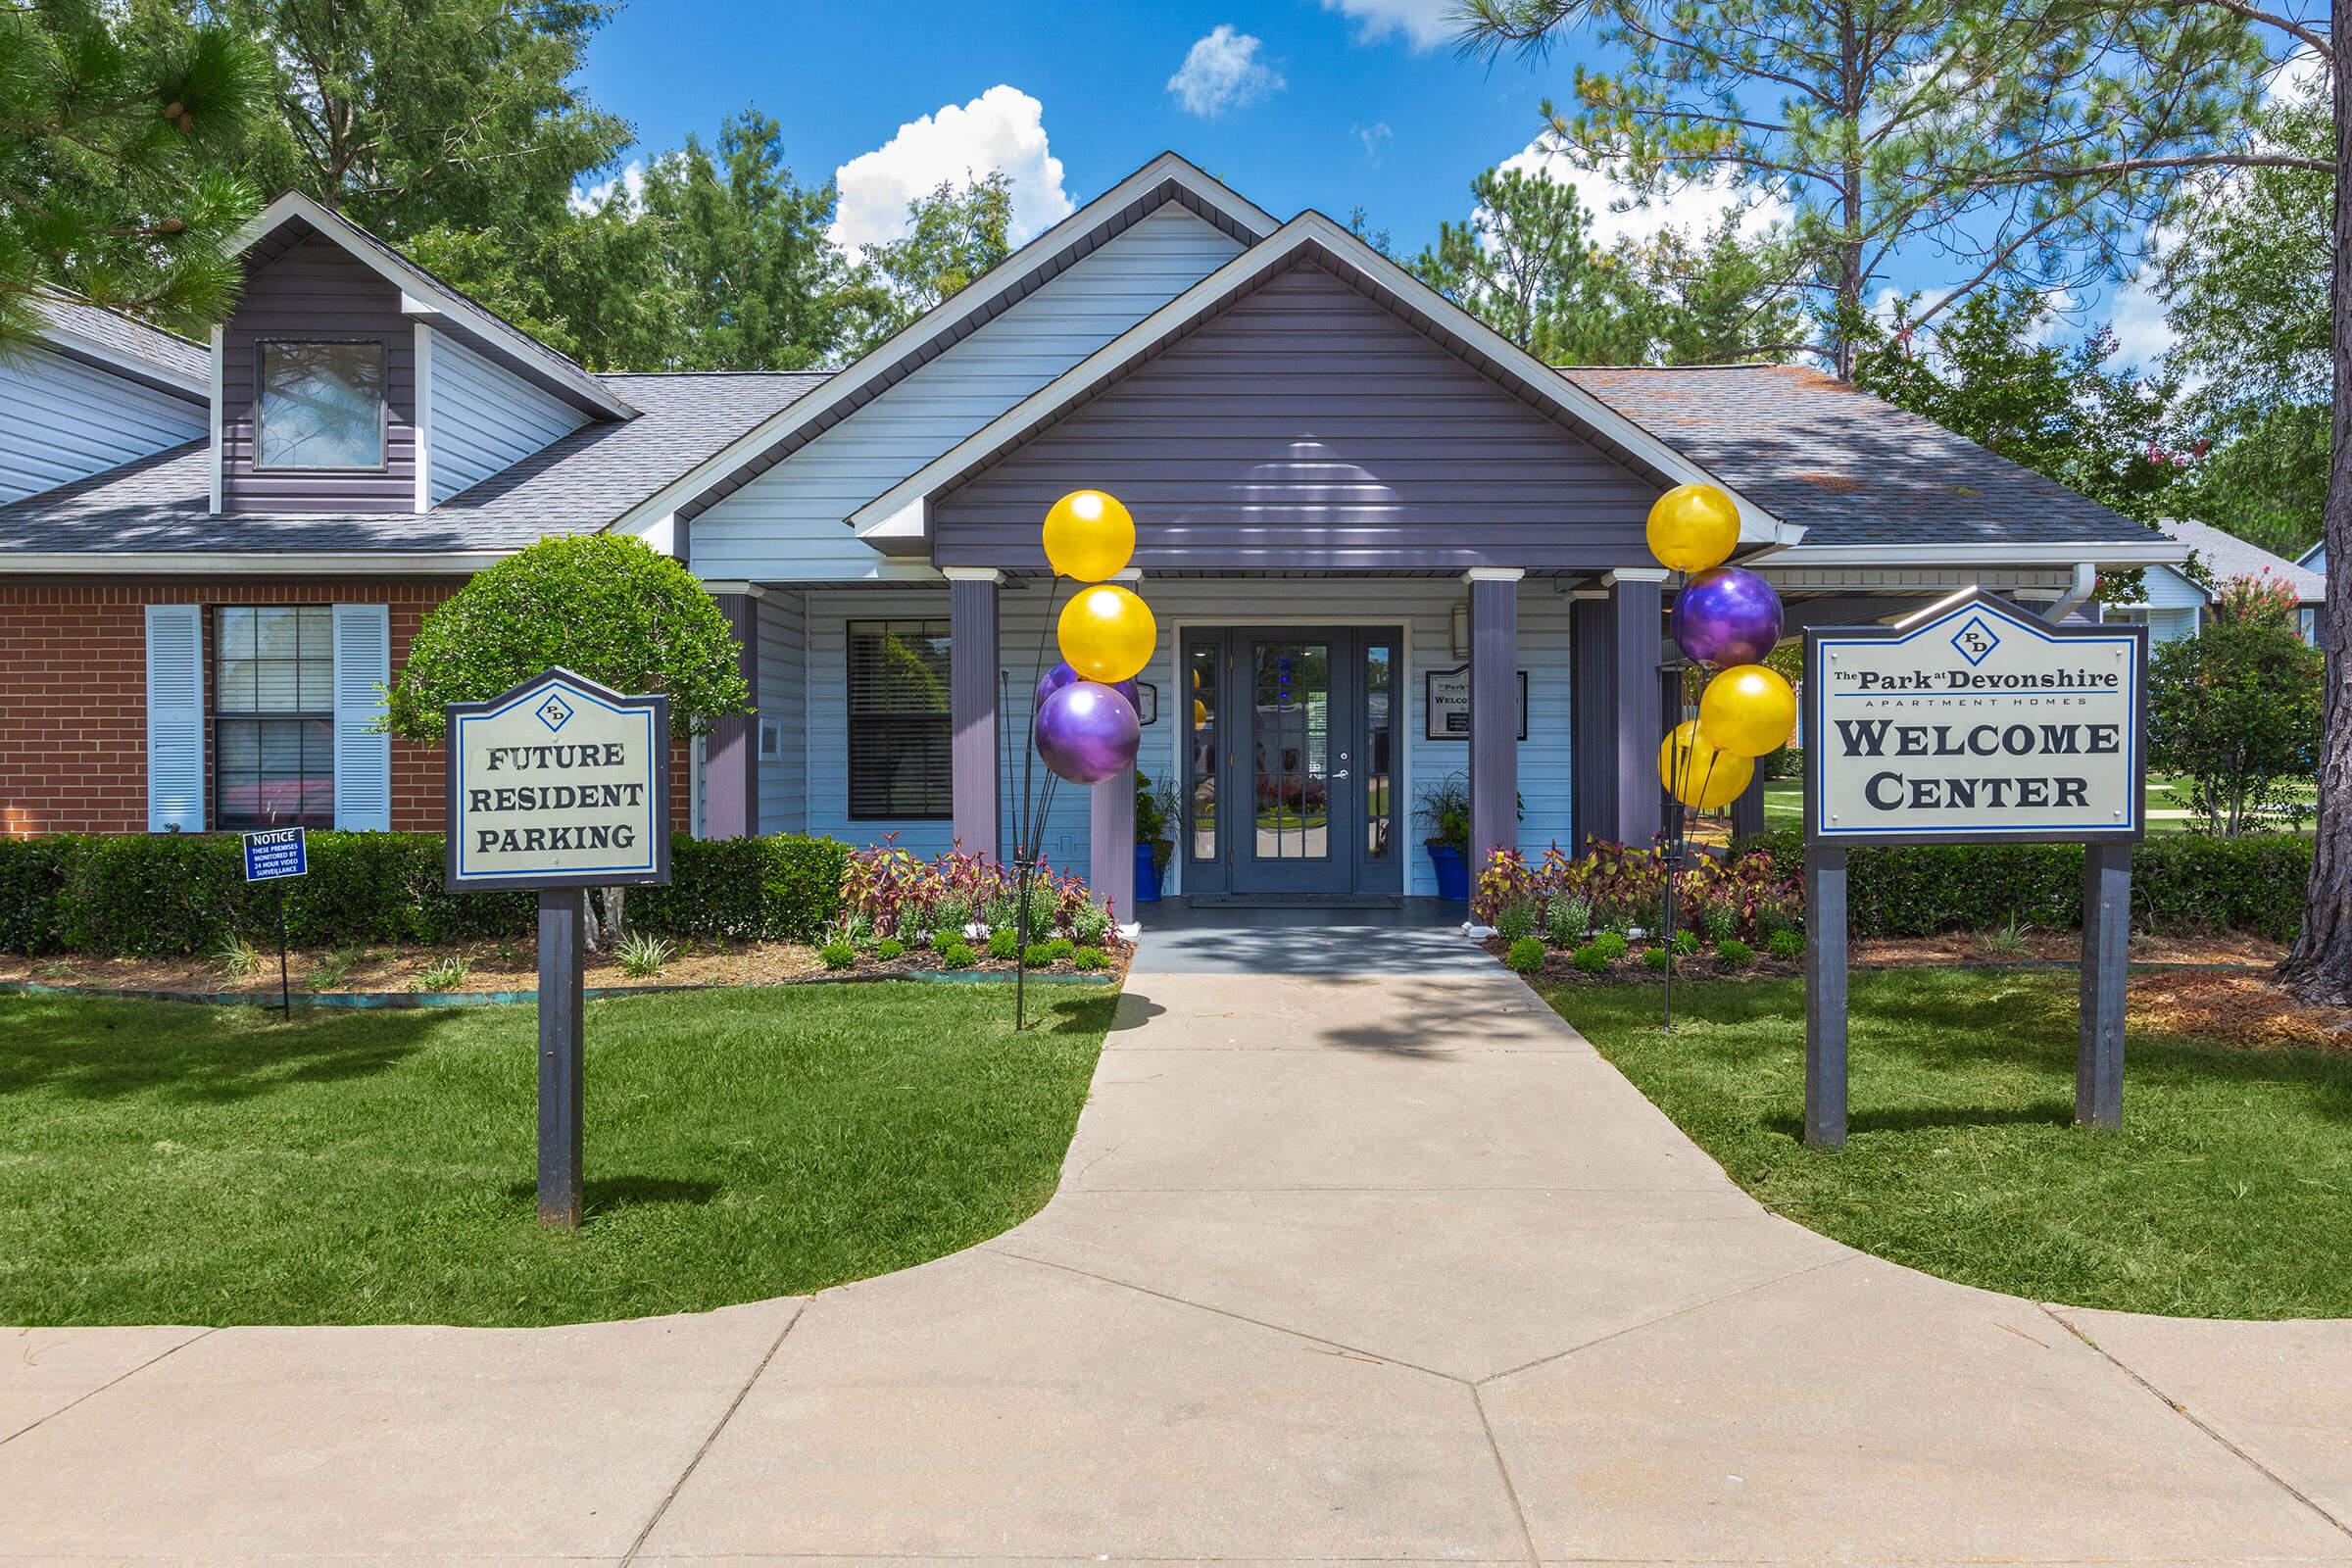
1973,719
559,783
274,852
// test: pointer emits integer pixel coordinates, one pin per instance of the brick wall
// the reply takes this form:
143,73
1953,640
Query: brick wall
74,697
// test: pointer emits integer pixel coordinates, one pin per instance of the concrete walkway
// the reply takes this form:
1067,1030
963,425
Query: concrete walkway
1344,1269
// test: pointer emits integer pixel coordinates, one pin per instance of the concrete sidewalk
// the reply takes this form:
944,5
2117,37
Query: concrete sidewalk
1342,1269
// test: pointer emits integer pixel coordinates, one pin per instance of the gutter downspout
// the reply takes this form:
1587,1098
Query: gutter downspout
2085,583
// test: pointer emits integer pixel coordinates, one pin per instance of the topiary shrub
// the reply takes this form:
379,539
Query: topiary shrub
959,955
1090,957
1568,920
1516,921
1611,944
1589,958
1656,958
1734,954
1784,944
837,954
890,948
1526,954
1003,944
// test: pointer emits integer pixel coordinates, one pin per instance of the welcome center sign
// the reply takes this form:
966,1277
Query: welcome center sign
558,782
1975,721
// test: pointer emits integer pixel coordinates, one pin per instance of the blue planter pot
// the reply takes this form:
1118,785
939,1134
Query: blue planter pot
1147,876
1453,872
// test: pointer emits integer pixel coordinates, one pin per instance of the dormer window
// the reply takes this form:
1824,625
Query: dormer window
323,405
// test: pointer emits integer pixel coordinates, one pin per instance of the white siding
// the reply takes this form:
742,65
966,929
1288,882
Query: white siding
1427,605
62,420
783,701
789,523
484,419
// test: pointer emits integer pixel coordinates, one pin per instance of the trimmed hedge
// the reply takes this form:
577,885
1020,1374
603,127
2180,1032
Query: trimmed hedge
2179,882
154,895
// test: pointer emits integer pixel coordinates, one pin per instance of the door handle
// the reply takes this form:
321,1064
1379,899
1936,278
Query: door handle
1342,773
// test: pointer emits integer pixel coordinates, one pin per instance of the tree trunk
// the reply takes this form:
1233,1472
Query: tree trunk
2318,967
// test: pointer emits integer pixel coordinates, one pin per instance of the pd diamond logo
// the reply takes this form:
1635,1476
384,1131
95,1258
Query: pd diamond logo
1975,641
555,712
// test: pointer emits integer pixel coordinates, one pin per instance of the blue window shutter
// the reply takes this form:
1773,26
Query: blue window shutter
363,752
174,718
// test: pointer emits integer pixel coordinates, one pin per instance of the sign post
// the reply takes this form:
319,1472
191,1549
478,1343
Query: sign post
277,855
1973,721
558,786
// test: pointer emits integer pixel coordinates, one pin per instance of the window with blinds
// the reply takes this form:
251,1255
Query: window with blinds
901,760
273,717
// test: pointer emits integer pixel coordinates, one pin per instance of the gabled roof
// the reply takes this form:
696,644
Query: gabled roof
428,298
2226,556
1867,481
1314,239
158,507
1165,179
2316,554
126,345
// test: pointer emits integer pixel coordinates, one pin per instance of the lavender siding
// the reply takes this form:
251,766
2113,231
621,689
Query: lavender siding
312,289
1308,427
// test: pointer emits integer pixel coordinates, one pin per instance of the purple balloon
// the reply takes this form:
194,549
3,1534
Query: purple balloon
1086,732
1062,675
1727,616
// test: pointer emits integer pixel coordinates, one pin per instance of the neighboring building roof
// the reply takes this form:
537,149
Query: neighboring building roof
124,343
431,299
2226,556
1853,469
2316,558
579,484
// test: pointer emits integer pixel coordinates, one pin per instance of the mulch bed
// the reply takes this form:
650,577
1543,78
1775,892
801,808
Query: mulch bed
495,966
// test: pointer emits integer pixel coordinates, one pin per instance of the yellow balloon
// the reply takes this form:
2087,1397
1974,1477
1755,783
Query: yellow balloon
1199,714
1693,527
1702,776
1106,633
1089,536
1747,710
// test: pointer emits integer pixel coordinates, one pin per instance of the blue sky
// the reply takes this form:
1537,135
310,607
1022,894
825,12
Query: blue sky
1330,104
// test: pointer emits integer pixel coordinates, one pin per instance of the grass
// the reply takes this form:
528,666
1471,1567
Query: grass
2167,804
2228,1192
181,1165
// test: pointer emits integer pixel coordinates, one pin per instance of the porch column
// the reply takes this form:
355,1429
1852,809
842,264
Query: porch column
1747,811
1637,633
1110,846
973,707
731,755
1493,711
1591,720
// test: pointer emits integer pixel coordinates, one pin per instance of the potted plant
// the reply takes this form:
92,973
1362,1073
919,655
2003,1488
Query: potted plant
1155,814
1446,807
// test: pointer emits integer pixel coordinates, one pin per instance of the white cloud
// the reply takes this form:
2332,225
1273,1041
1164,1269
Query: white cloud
1001,130
1423,23
1620,211
2142,336
630,183
1374,137
1223,70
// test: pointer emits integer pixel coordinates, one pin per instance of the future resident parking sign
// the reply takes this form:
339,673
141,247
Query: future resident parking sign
1973,719
559,783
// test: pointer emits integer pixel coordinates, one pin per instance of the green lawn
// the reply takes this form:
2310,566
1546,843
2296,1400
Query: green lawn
2227,1194
2168,806
165,1163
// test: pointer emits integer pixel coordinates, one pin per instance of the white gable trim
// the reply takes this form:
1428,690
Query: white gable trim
423,299
1015,272
195,388
1310,230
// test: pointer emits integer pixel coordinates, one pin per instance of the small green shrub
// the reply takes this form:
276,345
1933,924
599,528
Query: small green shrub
1090,958
1686,943
1785,944
1515,922
1091,924
1525,953
1611,944
446,975
890,948
1039,956
1568,920
1656,958
643,955
959,955
943,938
1719,922
1003,944
1734,954
1589,958
236,958
837,952
953,914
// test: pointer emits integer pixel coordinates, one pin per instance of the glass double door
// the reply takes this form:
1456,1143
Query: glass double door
1294,740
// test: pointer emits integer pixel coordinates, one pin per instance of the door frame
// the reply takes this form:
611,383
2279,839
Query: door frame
1176,759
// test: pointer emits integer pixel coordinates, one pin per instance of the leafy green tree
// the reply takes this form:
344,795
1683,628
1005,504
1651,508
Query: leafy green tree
1995,372
1884,122
957,233
116,176
1720,297
2236,711
415,114
595,285
605,606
